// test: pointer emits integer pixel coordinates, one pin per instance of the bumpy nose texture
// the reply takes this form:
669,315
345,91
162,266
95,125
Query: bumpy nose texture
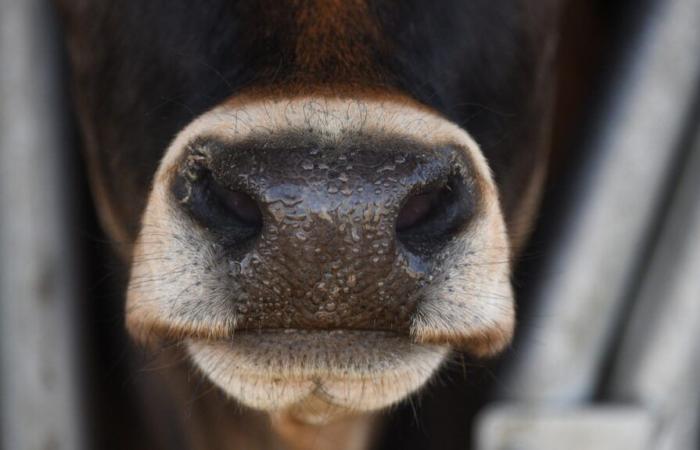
334,235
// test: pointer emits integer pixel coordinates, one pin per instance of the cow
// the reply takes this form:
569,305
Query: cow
318,201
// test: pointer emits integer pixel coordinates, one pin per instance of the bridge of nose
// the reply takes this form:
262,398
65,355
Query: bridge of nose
327,255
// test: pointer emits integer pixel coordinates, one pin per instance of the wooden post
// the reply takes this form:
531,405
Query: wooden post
40,403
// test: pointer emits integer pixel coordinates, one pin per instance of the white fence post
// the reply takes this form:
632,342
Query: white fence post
653,396
598,251
40,405
659,361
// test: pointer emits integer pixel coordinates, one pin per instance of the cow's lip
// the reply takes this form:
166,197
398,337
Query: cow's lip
316,373
296,354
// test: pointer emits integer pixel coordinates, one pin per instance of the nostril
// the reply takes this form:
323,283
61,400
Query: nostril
239,204
430,218
416,209
234,216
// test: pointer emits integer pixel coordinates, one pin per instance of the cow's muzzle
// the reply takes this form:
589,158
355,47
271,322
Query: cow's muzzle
327,235
322,255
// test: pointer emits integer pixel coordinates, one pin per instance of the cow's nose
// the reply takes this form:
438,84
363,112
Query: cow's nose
335,235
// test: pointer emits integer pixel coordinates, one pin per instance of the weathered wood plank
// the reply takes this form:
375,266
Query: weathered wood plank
40,403
601,244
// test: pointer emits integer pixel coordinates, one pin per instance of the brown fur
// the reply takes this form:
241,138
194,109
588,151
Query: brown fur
336,38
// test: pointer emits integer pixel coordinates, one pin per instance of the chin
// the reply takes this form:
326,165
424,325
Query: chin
317,376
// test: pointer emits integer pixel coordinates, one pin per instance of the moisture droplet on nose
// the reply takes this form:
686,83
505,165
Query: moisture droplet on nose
307,165
235,268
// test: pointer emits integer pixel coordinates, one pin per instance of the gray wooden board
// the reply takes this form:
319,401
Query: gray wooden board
507,427
579,302
40,403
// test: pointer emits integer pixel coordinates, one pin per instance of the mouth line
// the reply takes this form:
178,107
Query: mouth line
325,341
320,331
301,333
316,357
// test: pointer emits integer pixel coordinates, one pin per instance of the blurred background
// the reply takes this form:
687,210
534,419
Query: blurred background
607,355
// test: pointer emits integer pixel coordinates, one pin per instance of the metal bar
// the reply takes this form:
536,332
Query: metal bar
40,405
659,359
599,246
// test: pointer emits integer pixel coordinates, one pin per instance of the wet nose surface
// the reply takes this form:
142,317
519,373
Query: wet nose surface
326,236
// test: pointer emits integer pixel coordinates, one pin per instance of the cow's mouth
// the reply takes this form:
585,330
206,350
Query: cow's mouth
333,213
317,375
